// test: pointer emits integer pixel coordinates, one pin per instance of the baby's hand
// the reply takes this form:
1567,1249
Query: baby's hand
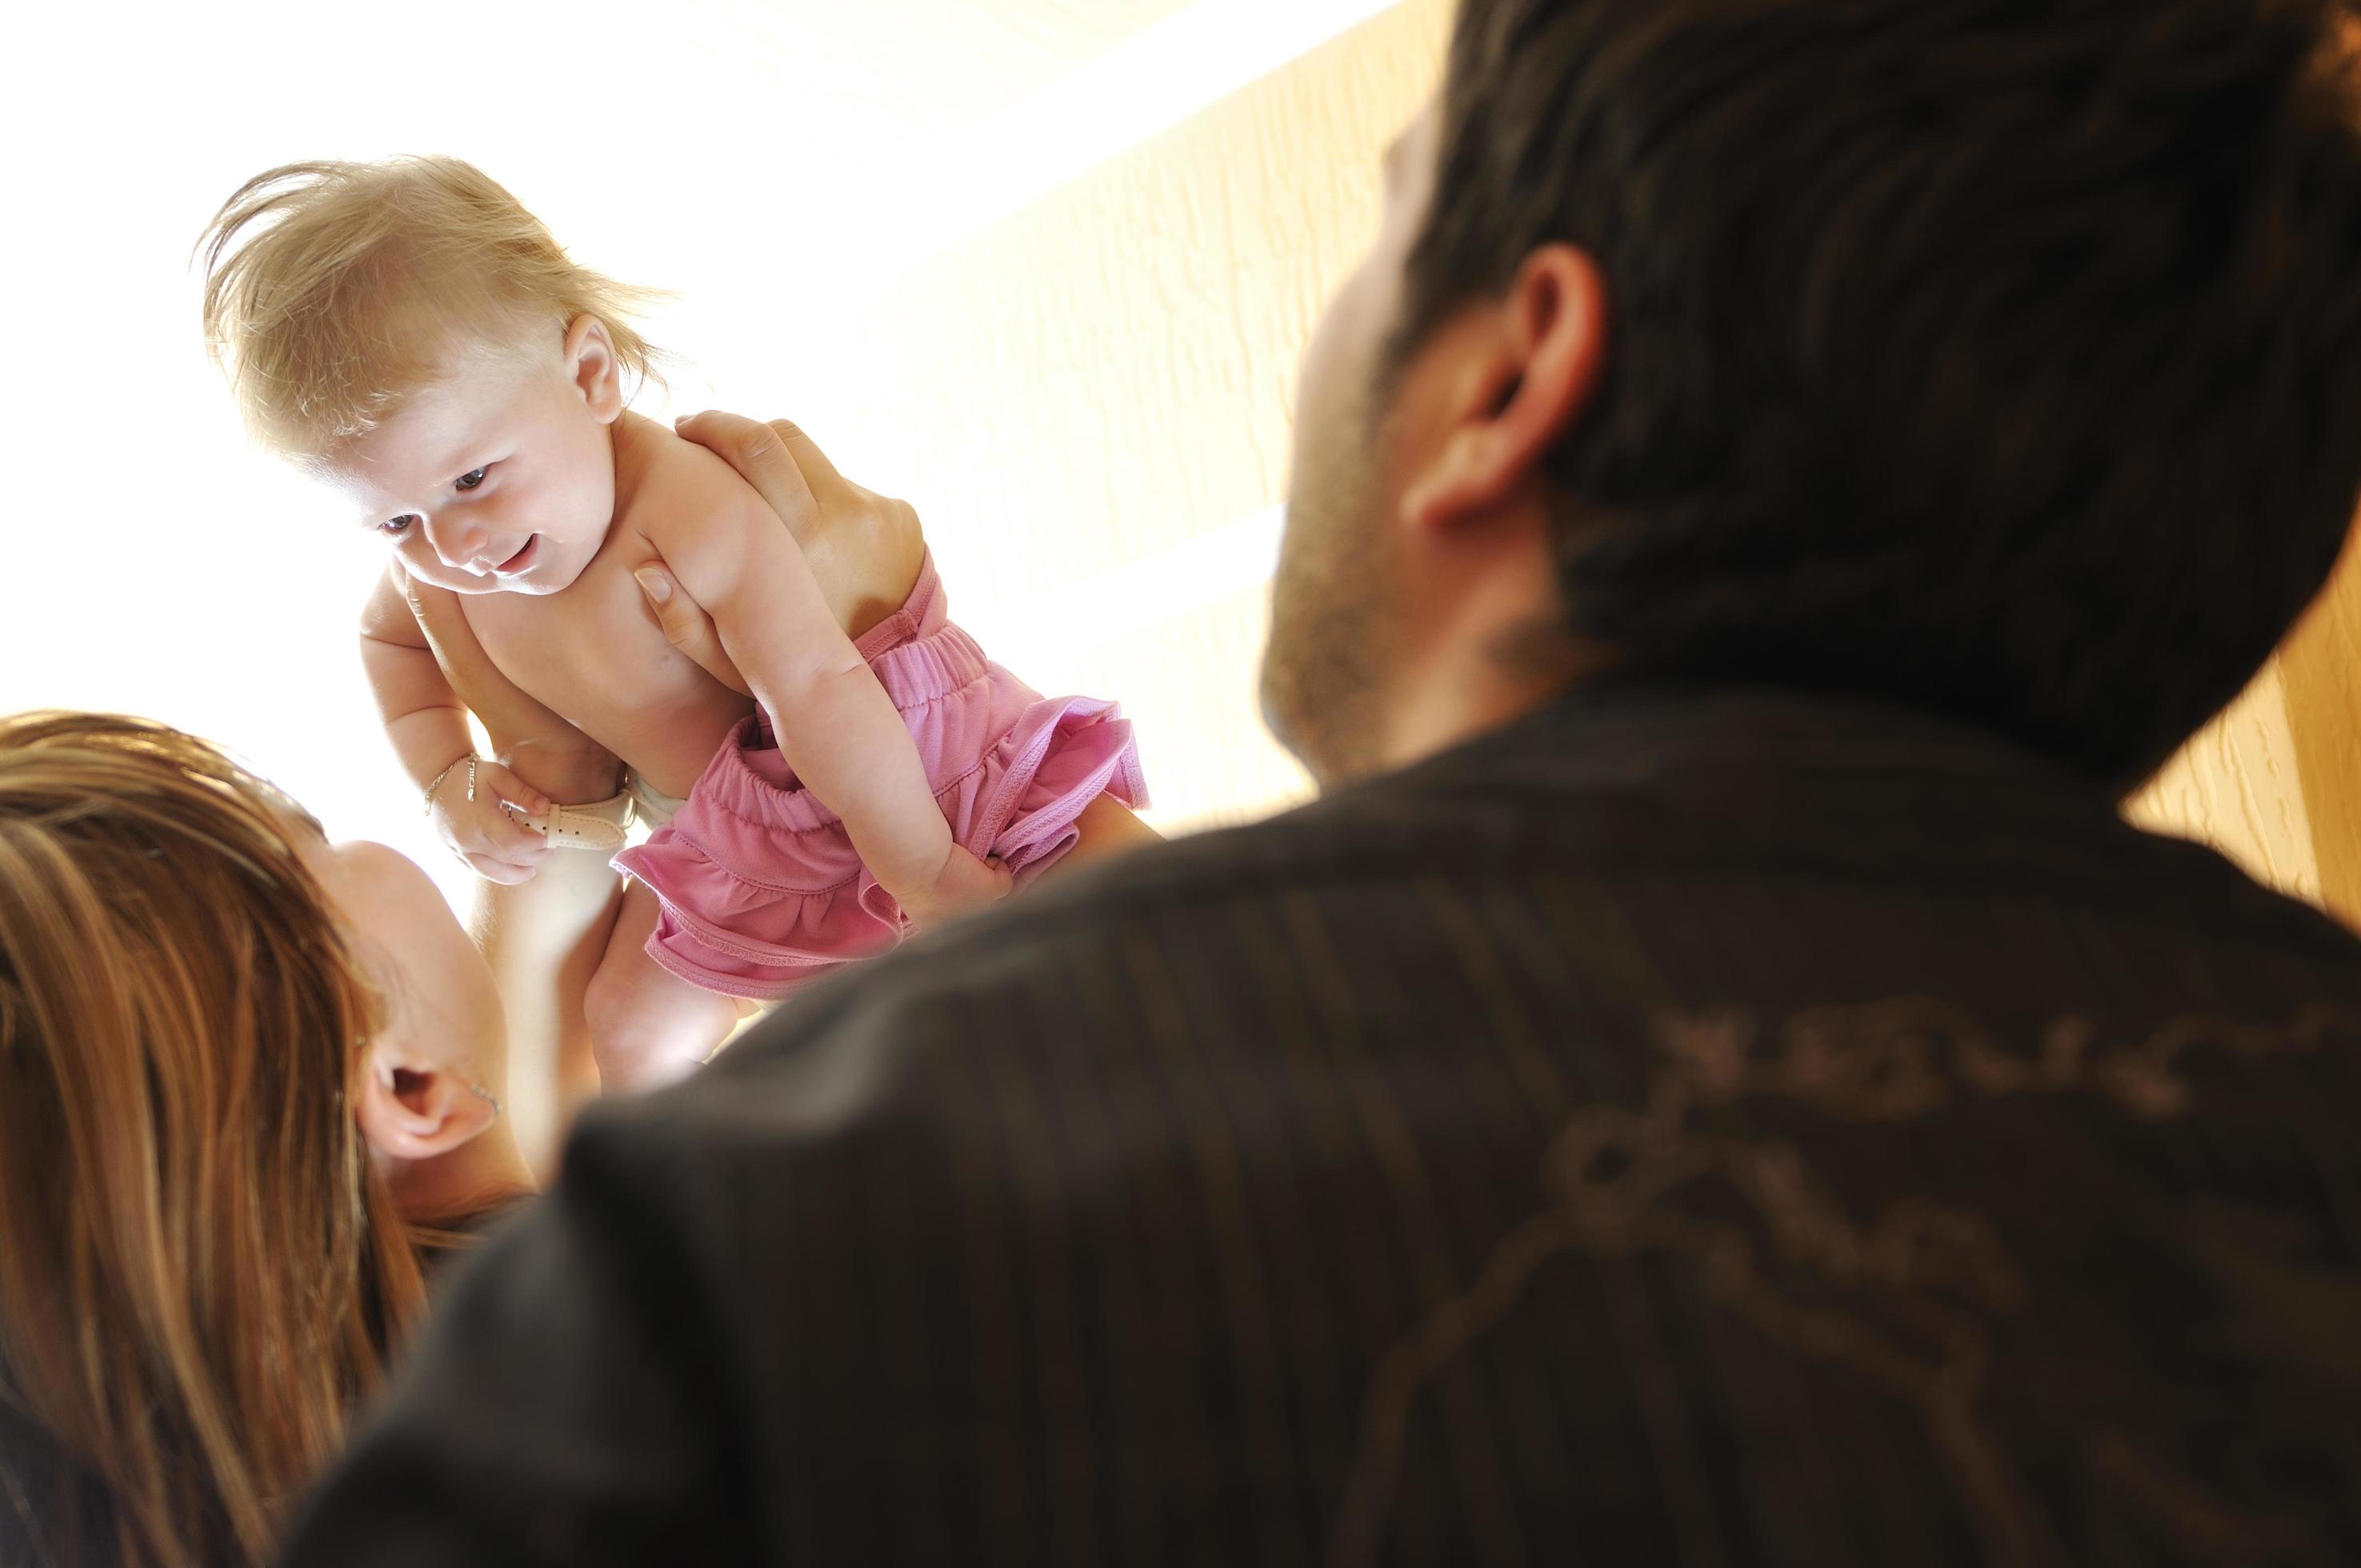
963,885
485,830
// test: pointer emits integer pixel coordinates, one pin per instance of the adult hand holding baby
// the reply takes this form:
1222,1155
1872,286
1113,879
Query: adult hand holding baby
865,548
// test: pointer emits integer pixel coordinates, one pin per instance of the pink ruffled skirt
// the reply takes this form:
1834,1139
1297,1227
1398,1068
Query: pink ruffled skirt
763,894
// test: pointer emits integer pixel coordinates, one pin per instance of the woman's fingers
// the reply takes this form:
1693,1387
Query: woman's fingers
764,457
686,626
818,473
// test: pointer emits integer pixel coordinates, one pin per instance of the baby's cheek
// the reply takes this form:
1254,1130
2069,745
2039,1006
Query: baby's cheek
589,512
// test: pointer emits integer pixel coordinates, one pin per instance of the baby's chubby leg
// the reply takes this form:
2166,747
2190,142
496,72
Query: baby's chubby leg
648,1026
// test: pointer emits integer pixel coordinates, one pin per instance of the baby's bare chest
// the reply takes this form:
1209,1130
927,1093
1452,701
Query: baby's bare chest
596,655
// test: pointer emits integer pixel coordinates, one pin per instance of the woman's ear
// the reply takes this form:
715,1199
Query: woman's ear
591,363
1527,375
411,1110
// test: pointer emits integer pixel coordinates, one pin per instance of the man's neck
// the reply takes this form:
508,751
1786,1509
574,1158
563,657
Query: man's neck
1500,664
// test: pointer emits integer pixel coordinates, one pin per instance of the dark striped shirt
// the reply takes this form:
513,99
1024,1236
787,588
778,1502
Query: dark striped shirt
1685,1128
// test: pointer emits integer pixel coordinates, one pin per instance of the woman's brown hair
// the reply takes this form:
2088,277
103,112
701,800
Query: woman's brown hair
200,1272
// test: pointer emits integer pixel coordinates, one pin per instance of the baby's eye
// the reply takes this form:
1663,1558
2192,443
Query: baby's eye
470,479
395,527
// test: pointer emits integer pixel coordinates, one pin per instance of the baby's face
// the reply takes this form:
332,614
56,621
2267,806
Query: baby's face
500,478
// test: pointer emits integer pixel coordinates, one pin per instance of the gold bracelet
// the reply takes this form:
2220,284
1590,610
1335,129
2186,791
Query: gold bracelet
471,760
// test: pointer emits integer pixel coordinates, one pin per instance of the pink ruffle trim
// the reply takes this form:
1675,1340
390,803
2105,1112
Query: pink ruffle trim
763,894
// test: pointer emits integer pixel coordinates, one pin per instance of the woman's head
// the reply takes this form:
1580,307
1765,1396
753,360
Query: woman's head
205,1256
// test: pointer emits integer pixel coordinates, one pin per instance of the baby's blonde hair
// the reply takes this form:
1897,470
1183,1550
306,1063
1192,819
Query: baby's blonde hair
334,291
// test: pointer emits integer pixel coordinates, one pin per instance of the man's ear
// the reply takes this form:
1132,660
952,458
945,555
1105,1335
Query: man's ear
591,362
1529,368
415,1110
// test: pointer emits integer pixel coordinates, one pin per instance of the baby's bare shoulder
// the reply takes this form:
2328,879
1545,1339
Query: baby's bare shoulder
675,491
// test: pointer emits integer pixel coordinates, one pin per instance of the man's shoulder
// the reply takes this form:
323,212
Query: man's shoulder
1034,973
1599,873
1379,841
1534,807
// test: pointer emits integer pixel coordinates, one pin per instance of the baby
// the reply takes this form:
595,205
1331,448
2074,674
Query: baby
408,332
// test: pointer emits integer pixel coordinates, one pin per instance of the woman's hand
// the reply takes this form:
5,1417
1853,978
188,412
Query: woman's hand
864,548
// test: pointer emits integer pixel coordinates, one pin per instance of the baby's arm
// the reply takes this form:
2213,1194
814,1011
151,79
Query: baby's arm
836,727
428,727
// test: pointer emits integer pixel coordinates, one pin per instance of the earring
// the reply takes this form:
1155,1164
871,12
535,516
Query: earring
487,1097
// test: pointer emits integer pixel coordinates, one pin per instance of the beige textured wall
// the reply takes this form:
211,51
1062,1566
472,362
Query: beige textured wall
2272,783
1091,401
2323,664
2237,786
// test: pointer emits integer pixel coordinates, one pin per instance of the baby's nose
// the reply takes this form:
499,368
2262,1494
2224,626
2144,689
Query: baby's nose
455,543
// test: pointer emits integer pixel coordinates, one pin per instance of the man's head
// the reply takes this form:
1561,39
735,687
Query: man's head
2001,360
410,333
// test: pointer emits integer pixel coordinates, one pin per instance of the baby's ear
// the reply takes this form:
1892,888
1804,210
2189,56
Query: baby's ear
415,1110
597,373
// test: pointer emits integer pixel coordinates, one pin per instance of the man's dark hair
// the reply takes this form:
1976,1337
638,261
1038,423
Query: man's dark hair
2000,356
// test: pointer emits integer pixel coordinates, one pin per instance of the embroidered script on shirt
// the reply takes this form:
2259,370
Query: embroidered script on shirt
1906,1299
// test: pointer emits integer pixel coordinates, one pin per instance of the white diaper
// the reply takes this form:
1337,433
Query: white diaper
650,805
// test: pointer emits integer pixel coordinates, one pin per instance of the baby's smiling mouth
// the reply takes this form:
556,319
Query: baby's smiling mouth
518,562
